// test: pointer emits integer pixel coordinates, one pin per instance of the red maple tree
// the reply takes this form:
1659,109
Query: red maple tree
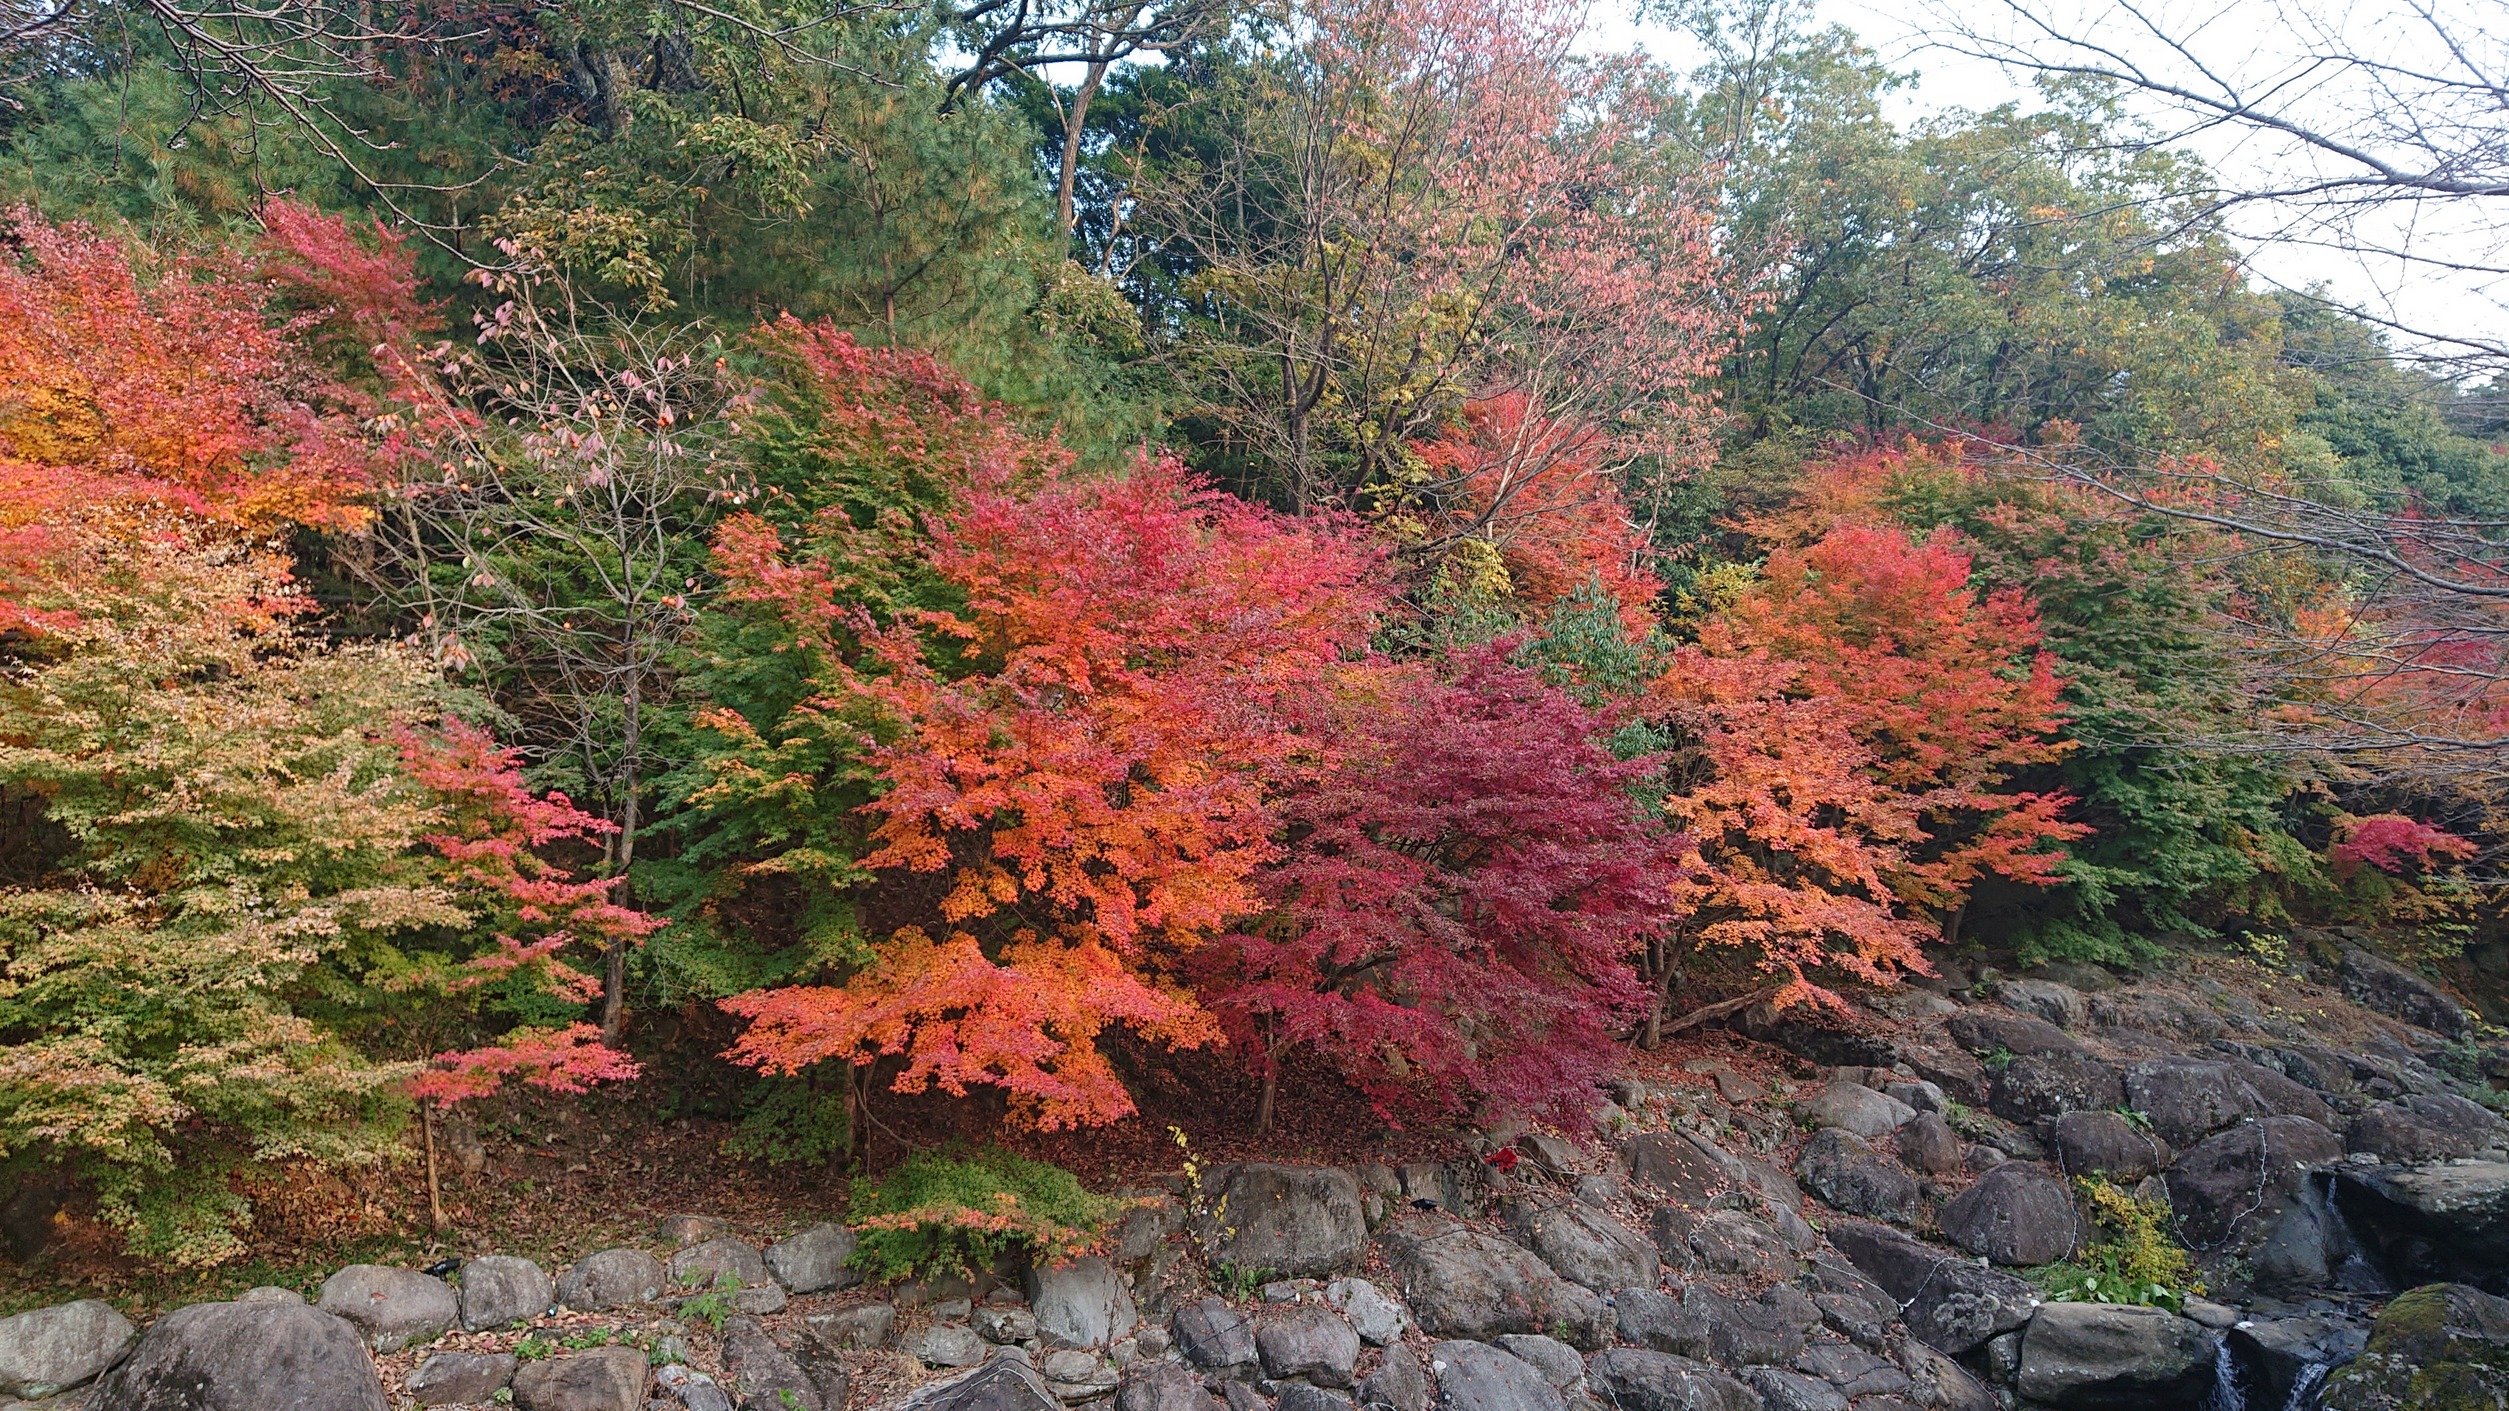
1460,894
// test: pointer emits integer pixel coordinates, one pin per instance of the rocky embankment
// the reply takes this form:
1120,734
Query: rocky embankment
1849,1237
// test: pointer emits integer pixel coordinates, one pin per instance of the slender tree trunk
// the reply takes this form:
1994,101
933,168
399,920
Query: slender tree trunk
435,1192
1067,191
622,856
1666,974
1271,1078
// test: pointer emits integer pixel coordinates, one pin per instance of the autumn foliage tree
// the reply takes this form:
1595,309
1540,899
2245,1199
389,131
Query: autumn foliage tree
1066,767
1462,889
255,876
1539,492
1419,203
1855,717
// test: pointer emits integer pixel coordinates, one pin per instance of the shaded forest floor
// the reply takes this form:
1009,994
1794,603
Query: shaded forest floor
567,1176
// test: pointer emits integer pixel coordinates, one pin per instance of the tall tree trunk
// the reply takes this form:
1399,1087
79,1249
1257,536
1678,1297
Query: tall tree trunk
622,856
1066,192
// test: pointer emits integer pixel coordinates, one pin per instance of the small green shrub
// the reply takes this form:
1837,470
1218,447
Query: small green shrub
2134,1256
790,1121
938,1213
715,1305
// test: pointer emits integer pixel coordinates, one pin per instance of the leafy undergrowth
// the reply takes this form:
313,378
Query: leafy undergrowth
941,1213
2133,1256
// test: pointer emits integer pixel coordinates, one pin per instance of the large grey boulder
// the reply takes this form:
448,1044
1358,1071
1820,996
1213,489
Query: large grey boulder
2038,1087
1781,1390
2426,1127
2106,1357
1462,1283
1377,1318
1949,1302
2390,989
1661,1322
1081,1303
1309,1341
1003,1384
1003,1325
947,1345
458,1378
614,1278
1727,1242
391,1308
2059,1004
2188,1099
1474,1376
1293,1221
1846,1174
69,1344
768,1376
1768,1330
719,1263
499,1288
2239,1184
604,1379
1215,1337
1399,1383
1852,1370
1299,1396
814,1260
1162,1386
862,1327
2106,1144
1584,1245
1853,1306
245,1357
2441,1347
2447,1222
1928,1144
1942,1383
1679,1165
1559,1364
1855,1108
1992,1033
1635,1379
2275,1355
2015,1214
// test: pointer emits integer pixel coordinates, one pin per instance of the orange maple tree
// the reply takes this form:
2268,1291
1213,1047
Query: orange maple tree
1077,753
1856,714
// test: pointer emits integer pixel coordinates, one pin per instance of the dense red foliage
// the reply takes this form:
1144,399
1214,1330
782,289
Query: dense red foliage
164,377
2393,843
1461,892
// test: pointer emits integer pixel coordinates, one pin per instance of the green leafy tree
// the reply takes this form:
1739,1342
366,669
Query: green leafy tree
261,883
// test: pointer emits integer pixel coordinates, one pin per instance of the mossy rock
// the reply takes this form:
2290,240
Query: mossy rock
2441,1347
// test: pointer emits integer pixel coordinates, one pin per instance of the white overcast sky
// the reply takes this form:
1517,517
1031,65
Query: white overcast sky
2257,39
